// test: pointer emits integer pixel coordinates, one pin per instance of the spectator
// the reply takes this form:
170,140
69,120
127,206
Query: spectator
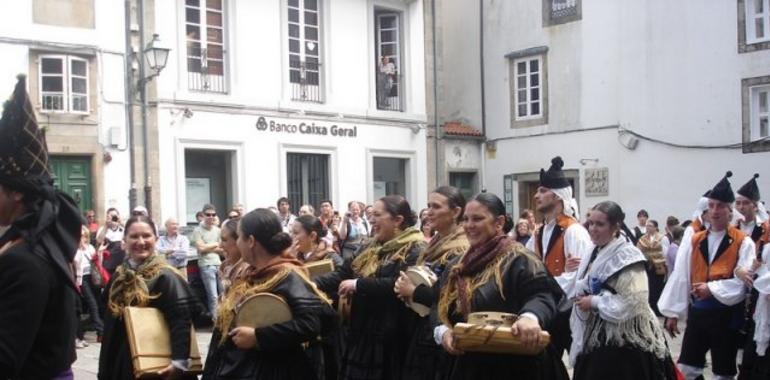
140,211
92,225
206,238
239,207
174,247
676,240
353,230
650,246
427,231
368,210
306,210
199,217
112,230
88,292
671,221
284,213
641,228
326,213
233,214
522,231
529,215
385,80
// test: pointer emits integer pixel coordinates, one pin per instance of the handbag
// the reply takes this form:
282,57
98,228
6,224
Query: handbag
99,276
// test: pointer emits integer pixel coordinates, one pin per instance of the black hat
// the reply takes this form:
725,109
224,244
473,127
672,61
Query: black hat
722,191
23,150
554,177
750,189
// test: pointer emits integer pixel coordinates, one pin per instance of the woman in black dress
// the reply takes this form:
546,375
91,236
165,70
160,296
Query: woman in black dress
276,351
380,325
145,280
498,274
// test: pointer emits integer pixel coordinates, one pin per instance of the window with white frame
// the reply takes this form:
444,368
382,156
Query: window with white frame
760,112
304,24
527,87
388,58
205,38
63,83
757,21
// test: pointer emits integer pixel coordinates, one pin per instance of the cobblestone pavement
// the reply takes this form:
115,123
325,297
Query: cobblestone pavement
88,358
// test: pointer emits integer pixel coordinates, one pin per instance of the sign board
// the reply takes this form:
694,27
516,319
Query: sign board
305,128
597,183
198,194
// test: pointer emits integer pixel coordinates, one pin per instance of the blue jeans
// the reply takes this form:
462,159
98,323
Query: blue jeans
210,279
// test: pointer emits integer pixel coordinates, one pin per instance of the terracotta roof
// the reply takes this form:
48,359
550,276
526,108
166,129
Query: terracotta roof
457,128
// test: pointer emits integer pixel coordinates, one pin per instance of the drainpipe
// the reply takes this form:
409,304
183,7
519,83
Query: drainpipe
129,83
483,179
437,129
143,98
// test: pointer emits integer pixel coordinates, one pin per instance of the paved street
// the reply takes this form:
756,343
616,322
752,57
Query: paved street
88,358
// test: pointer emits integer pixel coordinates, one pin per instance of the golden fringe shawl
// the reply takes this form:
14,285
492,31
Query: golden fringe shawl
244,288
446,248
129,288
366,264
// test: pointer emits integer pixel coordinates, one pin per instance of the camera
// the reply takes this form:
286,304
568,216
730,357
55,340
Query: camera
115,218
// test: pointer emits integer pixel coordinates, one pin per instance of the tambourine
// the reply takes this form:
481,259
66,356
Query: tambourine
262,309
421,275
320,267
490,332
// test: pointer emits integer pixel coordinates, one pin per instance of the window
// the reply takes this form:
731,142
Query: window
757,21
389,175
304,50
760,112
204,28
388,58
561,11
63,84
308,178
527,88
465,182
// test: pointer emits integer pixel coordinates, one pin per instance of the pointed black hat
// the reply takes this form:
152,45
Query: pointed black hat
554,178
23,150
722,191
750,189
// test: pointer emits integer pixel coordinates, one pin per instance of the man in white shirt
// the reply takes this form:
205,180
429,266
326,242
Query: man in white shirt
174,246
704,289
561,242
284,212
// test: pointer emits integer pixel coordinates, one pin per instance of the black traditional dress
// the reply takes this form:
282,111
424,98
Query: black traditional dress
620,328
381,326
172,296
425,358
526,288
280,353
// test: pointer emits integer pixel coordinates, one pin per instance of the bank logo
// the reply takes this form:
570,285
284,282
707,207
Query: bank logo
261,123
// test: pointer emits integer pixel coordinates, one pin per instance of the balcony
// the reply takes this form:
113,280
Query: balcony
562,9
305,81
206,72
389,92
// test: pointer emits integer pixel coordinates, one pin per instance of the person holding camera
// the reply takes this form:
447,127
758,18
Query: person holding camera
112,230
353,230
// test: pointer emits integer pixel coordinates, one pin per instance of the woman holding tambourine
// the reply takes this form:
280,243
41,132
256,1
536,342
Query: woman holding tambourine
498,274
269,345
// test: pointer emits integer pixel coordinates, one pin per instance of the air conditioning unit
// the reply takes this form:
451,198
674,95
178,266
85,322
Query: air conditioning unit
116,136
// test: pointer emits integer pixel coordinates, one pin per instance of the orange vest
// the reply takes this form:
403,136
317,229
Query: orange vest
555,259
764,239
696,225
725,261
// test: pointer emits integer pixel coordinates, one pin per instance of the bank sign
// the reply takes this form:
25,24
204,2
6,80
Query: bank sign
267,125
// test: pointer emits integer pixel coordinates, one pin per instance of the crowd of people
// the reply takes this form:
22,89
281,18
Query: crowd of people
598,291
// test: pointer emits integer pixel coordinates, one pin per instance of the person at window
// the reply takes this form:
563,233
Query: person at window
88,292
233,268
284,212
306,210
703,289
522,232
611,321
145,280
206,238
42,231
497,274
650,245
561,241
174,247
380,326
386,75
354,230
275,351
641,228
425,359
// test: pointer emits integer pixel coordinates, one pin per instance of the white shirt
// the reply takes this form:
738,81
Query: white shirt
675,299
577,243
82,262
112,234
748,228
715,238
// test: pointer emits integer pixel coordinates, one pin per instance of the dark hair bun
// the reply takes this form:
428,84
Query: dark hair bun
508,226
410,221
279,242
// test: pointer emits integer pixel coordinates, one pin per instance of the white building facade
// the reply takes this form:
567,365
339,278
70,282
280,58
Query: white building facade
73,55
649,103
310,99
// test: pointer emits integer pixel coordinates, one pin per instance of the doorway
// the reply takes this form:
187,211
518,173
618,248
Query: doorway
72,175
208,180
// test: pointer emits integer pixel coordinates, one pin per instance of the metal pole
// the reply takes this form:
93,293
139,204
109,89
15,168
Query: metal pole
436,129
143,98
129,82
483,98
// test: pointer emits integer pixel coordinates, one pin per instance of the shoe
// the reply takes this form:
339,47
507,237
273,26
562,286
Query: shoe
80,343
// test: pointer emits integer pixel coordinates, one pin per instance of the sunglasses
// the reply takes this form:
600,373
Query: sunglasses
210,214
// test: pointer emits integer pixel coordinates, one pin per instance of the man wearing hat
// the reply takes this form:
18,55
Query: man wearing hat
704,290
37,287
561,241
753,213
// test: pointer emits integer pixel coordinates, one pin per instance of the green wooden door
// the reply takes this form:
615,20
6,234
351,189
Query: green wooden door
72,175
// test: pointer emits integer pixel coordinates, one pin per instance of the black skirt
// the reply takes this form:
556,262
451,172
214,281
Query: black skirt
623,363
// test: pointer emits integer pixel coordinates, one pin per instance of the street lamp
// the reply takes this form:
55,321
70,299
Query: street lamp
156,57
